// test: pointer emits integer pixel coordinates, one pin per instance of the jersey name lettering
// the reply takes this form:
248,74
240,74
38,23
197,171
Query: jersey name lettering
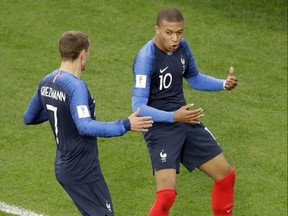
52,93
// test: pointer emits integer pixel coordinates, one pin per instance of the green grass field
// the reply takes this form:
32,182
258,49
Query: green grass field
250,122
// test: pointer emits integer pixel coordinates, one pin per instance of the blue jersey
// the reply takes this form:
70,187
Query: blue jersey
158,80
66,102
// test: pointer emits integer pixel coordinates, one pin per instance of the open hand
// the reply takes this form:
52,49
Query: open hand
185,115
140,124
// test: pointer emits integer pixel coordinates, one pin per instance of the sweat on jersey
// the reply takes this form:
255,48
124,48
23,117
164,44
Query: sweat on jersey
66,102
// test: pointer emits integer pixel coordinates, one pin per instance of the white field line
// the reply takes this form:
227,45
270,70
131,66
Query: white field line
11,209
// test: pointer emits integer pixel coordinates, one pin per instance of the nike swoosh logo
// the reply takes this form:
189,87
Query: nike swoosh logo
162,70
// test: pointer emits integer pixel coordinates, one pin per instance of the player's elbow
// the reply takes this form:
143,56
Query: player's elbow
134,107
27,121
82,131
138,102
27,118
83,127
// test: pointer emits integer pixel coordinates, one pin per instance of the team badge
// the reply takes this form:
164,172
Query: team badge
163,156
109,207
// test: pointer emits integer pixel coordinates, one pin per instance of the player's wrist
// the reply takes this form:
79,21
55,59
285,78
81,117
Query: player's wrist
224,85
127,124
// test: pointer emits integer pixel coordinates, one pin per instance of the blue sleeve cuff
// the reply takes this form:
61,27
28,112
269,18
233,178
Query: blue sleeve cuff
127,124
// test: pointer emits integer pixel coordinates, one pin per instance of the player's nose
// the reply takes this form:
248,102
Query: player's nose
174,37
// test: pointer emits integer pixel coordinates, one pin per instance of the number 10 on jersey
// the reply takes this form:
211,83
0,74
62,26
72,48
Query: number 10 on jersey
163,81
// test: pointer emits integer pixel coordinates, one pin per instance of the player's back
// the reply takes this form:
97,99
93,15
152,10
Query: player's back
75,153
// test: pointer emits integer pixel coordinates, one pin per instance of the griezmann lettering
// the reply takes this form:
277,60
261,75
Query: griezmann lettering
52,93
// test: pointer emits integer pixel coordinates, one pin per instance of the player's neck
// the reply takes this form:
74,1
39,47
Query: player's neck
160,46
71,67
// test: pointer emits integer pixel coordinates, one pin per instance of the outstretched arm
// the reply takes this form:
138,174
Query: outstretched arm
183,114
87,126
207,83
204,82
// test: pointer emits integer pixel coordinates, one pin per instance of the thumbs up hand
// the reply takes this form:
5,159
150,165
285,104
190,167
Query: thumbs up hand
231,81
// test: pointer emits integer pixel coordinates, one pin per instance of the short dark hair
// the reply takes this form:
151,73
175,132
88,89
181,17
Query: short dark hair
72,43
170,15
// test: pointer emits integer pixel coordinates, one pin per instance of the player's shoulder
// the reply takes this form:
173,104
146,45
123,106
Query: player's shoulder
47,78
70,81
148,49
184,43
63,80
184,47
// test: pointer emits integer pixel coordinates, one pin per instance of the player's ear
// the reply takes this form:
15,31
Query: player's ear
83,54
156,28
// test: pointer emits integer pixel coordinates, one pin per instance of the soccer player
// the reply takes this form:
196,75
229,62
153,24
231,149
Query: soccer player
64,99
177,136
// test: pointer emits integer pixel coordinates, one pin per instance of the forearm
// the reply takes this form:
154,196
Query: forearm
35,114
206,83
145,110
30,120
90,127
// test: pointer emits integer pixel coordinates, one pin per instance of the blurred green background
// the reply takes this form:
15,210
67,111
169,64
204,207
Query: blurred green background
250,122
